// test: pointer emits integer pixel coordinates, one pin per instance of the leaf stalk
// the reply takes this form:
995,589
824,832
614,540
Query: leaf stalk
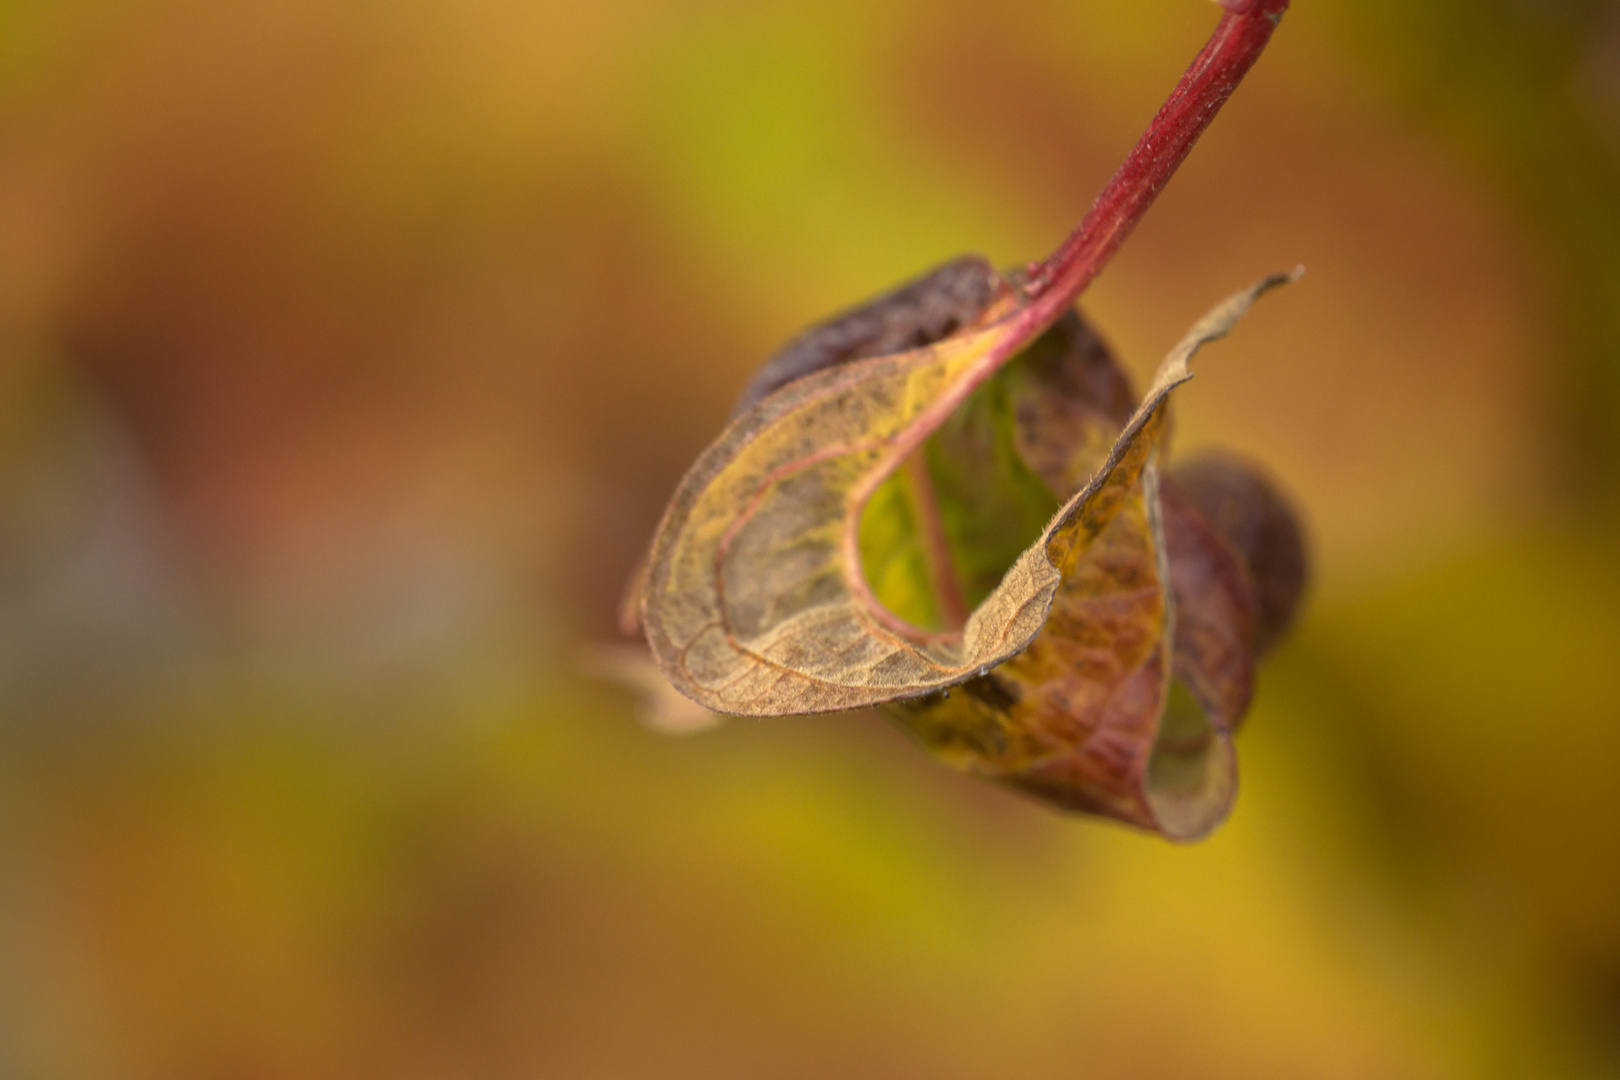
1226,58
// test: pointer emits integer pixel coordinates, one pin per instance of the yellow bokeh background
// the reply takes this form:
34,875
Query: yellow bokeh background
349,350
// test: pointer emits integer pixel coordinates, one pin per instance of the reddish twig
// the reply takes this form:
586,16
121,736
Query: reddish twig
1231,51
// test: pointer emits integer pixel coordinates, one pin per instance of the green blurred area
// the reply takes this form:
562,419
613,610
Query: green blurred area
348,352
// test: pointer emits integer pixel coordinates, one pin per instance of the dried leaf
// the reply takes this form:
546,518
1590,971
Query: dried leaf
756,603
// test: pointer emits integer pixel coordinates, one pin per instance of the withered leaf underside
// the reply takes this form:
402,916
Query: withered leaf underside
769,590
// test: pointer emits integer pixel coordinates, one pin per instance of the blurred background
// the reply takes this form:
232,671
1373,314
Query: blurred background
349,350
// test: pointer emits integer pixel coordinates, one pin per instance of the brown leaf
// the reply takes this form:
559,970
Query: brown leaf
756,603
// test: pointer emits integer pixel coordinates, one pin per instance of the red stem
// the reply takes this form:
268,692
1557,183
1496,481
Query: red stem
1231,51
936,546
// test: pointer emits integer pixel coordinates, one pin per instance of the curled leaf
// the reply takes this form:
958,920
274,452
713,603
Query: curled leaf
756,603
